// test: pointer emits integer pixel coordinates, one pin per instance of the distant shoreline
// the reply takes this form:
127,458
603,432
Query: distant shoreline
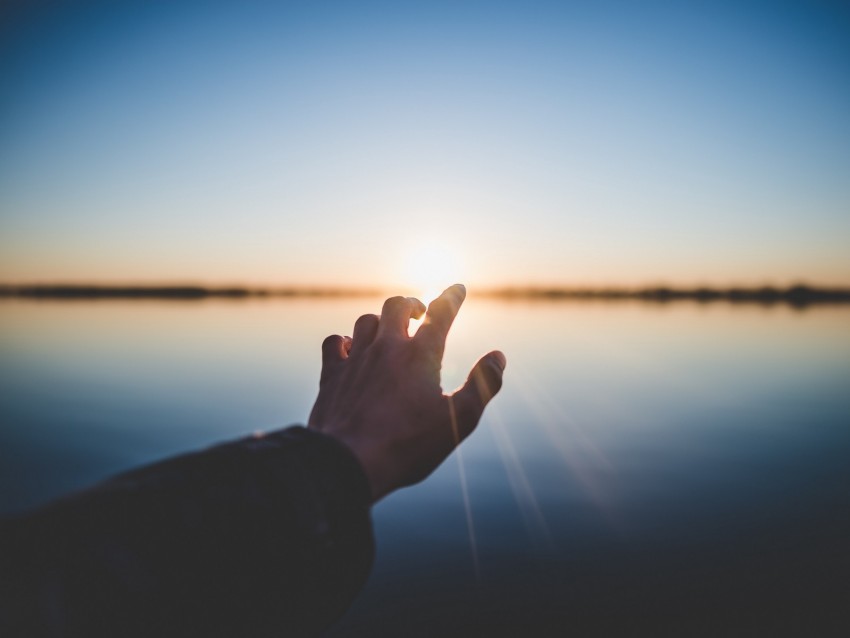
176,292
798,295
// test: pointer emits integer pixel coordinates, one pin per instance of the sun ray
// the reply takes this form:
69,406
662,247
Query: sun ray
523,492
572,445
470,526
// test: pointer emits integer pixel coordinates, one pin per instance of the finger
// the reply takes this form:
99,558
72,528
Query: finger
469,402
441,314
418,308
333,354
396,314
365,329
333,350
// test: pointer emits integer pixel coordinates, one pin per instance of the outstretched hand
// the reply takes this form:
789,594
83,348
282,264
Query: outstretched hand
380,392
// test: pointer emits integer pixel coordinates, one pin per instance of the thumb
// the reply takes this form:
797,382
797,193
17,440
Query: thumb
483,383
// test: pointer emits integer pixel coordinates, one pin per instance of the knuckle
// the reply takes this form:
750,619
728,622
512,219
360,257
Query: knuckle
331,341
394,302
331,345
427,349
365,320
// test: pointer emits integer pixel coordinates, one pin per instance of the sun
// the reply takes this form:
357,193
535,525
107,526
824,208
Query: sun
432,266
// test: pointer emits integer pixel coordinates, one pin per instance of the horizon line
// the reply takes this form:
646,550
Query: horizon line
800,294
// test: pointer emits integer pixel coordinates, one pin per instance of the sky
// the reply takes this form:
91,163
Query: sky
379,144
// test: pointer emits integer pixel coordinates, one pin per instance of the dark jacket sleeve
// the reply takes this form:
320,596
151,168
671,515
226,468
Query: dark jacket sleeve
266,536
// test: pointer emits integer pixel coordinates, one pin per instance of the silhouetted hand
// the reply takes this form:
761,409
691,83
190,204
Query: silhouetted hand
380,391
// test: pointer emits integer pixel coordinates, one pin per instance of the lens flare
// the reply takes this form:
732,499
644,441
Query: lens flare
431,266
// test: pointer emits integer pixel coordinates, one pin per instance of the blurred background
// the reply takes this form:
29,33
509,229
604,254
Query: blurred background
650,467
326,143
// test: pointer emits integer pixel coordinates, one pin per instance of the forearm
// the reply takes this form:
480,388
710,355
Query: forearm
268,535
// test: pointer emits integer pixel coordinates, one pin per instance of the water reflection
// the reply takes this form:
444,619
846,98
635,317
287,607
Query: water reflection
680,466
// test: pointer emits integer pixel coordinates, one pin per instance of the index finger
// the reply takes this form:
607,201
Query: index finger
439,318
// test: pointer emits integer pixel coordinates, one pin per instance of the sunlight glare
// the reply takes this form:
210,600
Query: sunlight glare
431,266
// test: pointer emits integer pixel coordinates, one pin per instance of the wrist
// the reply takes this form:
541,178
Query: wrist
366,456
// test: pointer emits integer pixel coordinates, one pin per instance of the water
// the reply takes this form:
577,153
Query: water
665,468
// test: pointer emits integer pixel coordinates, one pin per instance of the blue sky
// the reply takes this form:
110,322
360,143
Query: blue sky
332,143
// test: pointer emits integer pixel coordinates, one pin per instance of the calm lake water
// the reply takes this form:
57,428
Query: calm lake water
678,469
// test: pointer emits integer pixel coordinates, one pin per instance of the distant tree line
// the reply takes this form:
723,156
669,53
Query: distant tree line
797,295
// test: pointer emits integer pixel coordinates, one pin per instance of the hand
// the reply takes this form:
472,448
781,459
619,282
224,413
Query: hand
380,391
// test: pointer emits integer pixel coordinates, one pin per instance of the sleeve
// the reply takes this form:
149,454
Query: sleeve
266,536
